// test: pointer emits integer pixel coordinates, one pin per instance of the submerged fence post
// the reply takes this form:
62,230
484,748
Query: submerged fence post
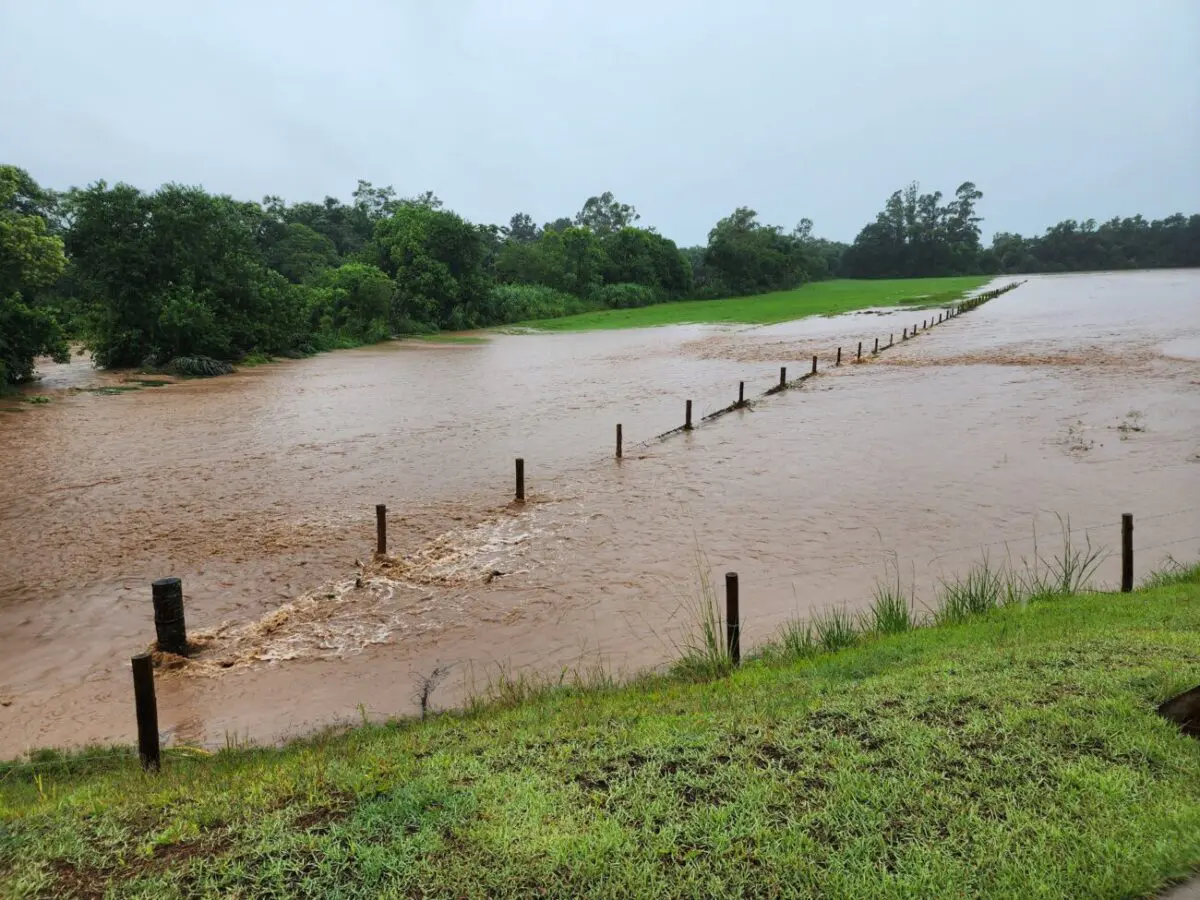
733,626
618,440
838,362
520,481
147,711
741,393
860,350
687,419
814,371
876,350
1126,552
904,335
380,529
169,626
783,376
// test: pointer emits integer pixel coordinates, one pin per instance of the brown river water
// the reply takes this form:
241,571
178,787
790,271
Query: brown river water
1075,396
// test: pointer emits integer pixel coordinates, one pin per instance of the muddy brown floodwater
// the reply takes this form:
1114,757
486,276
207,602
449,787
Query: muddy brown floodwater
1074,396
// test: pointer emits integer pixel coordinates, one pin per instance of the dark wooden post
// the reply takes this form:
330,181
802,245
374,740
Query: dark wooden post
733,625
169,625
741,393
520,481
860,350
783,376
1126,553
839,357
147,711
904,335
814,371
876,350
924,324
687,416
892,339
618,440
381,529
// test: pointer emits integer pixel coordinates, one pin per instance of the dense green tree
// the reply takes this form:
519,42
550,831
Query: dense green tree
604,214
522,229
300,254
746,257
31,260
916,235
436,259
353,301
175,273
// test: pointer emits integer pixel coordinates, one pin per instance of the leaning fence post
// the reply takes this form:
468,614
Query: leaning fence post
147,711
1126,552
520,481
618,440
169,626
687,417
381,529
733,626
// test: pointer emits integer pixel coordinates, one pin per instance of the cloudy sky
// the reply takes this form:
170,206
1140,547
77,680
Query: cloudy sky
684,108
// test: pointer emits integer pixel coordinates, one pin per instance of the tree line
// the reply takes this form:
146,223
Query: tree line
177,277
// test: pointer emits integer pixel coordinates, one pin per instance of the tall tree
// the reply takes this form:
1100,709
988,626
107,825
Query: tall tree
31,259
604,214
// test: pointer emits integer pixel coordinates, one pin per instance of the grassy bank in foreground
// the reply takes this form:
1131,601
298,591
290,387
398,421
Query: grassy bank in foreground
818,298
1015,754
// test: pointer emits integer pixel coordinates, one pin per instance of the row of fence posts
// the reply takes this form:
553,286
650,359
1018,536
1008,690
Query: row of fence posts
167,593
172,632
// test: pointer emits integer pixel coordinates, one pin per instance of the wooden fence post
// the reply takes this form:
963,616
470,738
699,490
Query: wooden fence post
876,350
741,393
733,625
520,481
381,529
169,626
147,712
618,440
783,376
1126,553
814,369
838,362
687,419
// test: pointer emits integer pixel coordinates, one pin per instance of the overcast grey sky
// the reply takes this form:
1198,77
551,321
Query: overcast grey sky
684,108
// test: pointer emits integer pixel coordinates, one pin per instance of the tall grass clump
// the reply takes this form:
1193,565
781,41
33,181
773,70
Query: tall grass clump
704,653
795,640
1064,574
1173,572
983,589
891,609
834,629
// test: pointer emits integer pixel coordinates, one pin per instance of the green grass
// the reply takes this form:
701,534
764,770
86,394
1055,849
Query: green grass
1014,754
818,298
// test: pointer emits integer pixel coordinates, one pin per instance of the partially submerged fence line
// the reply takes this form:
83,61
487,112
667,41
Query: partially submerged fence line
171,632
146,705
906,334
